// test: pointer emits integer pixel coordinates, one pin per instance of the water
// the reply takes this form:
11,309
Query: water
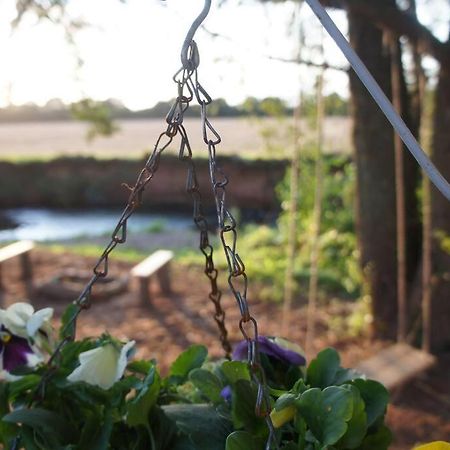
54,225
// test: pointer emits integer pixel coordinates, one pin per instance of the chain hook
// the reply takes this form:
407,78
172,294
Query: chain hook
191,62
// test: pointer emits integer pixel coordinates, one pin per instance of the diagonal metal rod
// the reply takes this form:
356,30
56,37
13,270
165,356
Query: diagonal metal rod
383,102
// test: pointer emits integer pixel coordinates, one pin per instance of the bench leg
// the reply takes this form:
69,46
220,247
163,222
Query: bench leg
2,290
27,274
144,291
163,275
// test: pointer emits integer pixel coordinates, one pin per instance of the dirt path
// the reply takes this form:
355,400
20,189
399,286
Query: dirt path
420,411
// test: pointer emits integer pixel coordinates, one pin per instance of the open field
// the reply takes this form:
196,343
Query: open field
254,137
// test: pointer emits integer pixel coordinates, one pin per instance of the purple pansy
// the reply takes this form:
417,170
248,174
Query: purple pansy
226,393
277,348
14,350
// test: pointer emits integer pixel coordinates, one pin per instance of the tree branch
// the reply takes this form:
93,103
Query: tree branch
309,63
299,61
400,23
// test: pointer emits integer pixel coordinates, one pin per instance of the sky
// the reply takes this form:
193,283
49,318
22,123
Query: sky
131,50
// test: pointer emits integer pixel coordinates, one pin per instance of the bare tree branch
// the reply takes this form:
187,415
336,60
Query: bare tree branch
399,23
309,63
299,61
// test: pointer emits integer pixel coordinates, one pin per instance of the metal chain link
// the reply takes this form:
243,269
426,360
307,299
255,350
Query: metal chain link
186,79
192,187
119,236
237,278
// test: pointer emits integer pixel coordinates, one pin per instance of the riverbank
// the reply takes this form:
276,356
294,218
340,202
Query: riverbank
101,183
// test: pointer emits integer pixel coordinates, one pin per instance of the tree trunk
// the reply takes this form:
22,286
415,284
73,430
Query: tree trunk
374,156
440,218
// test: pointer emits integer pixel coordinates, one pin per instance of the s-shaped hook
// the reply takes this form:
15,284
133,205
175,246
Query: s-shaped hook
191,62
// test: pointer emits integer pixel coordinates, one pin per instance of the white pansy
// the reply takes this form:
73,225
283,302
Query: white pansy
102,366
40,320
15,318
6,376
21,320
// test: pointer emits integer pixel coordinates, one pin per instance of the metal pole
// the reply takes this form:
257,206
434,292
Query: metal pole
378,95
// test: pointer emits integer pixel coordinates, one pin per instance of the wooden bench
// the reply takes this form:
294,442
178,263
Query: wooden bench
396,365
21,249
157,264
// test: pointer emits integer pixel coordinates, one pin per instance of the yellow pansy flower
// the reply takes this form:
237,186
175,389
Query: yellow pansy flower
438,445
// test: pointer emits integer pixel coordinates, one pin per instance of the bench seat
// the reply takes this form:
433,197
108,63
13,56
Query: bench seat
158,264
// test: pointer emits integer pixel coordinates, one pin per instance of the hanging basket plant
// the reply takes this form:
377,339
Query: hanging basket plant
97,396
60,393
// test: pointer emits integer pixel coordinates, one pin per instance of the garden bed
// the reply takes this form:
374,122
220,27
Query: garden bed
419,412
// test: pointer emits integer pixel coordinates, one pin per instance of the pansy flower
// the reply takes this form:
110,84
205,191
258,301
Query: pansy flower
283,362
15,351
20,319
103,366
226,393
274,347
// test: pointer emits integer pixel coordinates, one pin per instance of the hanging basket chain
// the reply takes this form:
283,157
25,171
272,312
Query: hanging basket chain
100,270
192,187
237,277
186,79
175,126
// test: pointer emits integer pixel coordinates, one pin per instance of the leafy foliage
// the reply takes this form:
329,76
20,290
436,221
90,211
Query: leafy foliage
200,405
339,271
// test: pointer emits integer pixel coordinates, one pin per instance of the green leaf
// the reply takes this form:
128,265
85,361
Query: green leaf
92,396
140,366
23,385
357,426
378,441
68,320
300,387
208,384
375,396
326,412
323,369
206,429
7,430
241,440
285,400
43,421
96,431
27,436
103,435
345,375
140,406
290,446
91,427
190,359
235,370
70,352
243,408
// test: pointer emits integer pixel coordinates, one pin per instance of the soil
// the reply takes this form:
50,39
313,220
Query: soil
419,411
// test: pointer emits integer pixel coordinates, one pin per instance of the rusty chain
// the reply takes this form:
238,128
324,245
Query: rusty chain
187,82
237,277
192,187
175,126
